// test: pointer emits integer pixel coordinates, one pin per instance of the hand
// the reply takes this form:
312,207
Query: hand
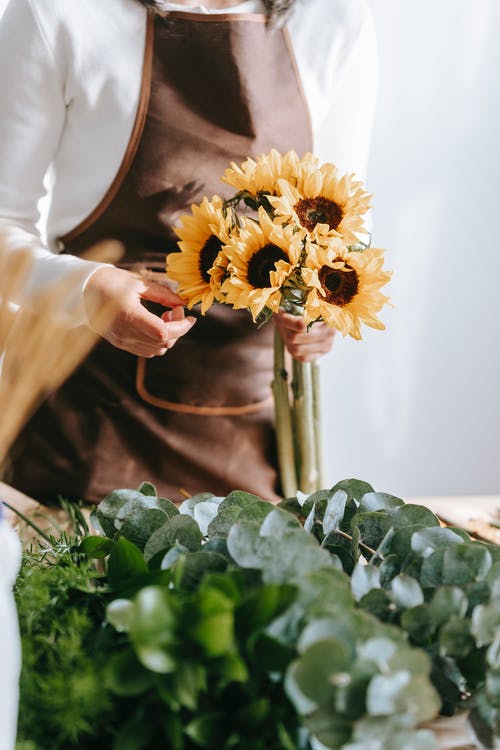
133,327
304,345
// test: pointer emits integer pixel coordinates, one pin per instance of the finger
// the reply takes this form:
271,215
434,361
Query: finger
155,292
290,322
176,313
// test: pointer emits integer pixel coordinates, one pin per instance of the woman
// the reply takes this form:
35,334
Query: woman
132,113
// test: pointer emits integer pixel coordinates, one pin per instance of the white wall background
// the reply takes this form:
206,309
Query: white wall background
415,410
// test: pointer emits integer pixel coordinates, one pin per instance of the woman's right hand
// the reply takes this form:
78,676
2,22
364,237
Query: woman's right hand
132,326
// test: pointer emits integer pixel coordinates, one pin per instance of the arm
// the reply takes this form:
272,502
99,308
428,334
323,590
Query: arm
33,107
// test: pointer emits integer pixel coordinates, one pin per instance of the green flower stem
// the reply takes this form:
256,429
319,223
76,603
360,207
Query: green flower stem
283,417
303,408
317,424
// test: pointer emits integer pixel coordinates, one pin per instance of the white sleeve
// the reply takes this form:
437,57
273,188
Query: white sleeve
32,118
343,134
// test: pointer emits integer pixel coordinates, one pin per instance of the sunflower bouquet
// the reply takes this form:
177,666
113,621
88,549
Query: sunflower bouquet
290,237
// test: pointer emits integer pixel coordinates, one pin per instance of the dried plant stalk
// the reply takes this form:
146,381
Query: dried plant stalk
39,349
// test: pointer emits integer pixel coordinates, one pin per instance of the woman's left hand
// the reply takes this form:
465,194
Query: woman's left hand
304,345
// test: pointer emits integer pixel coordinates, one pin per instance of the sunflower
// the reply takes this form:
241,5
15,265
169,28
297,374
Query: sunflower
202,235
261,258
323,202
345,287
261,175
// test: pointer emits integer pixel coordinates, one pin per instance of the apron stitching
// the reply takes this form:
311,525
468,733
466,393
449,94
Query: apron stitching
214,411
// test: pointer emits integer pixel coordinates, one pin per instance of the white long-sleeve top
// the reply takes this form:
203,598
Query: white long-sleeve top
10,644
70,75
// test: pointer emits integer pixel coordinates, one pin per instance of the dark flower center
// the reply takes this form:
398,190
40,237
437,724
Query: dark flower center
340,285
312,211
208,254
262,263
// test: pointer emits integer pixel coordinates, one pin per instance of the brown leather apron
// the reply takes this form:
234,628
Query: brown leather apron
215,88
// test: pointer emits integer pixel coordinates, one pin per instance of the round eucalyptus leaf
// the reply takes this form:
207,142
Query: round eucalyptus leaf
240,499
455,639
372,501
411,515
466,562
406,591
418,622
378,603
446,602
355,488
485,623
313,673
324,628
379,651
331,730
190,569
426,541
226,516
242,543
372,527
278,522
180,529
493,654
142,525
334,512
364,578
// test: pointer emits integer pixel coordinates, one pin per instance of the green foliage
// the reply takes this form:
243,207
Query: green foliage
348,616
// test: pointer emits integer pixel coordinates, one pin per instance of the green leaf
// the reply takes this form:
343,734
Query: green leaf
379,651
426,541
372,501
455,639
372,527
486,623
335,511
179,529
136,733
355,488
173,731
263,604
446,602
493,654
411,515
258,512
96,547
277,523
292,556
146,488
401,692
190,569
119,614
312,675
189,681
126,676
418,622
492,688
208,730
466,562
125,562
153,629
400,544
274,655
227,515
240,499
364,578
326,628
253,715
378,603
330,729
214,628
243,542
142,525
406,591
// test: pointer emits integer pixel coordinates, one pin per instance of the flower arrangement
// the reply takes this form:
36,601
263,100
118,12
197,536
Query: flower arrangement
300,249
346,622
